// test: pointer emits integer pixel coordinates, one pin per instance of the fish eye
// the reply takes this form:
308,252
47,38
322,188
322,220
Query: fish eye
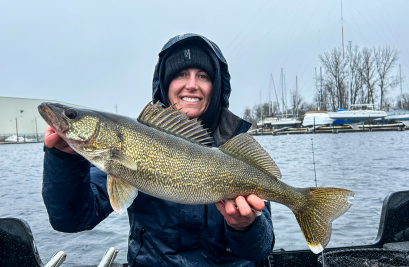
71,113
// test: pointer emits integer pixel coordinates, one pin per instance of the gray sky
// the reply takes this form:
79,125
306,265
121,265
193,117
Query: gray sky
102,53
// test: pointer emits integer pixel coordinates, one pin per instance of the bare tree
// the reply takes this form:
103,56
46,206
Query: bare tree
385,61
304,107
355,58
368,76
321,95
296,100
247,115
335,77
403,99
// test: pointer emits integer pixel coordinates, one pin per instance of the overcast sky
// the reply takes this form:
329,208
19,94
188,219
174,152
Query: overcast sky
102,53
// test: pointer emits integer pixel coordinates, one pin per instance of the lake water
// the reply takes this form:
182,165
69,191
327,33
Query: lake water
373,165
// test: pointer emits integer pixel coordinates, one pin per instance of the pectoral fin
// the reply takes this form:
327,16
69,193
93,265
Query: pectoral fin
123,159
121,193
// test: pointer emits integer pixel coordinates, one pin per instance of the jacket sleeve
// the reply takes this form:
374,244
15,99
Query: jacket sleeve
255,244
74,193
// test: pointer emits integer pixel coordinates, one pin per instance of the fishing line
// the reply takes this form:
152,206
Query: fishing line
313,161
315,173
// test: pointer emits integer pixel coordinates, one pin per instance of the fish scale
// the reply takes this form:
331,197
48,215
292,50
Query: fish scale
165,154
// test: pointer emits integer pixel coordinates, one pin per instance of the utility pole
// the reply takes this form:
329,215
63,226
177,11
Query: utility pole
116,108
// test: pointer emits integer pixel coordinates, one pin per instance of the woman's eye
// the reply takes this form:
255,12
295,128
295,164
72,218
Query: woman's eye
182,74
202,76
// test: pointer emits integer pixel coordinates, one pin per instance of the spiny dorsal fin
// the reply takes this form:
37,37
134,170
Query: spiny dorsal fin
247,149
171,121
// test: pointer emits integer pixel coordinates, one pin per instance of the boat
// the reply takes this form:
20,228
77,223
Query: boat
316,118
358,113
277,122
390,248
397,115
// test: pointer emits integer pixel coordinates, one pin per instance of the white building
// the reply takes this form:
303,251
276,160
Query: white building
21,115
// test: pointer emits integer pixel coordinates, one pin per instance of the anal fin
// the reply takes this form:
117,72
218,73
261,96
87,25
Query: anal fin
121,193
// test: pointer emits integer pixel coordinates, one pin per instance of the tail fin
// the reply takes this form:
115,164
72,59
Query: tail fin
315,219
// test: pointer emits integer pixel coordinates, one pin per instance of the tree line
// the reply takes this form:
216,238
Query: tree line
361,76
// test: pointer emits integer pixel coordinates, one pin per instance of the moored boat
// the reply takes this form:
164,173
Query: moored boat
358,113
312,118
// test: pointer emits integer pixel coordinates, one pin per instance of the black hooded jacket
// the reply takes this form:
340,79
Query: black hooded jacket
222,124
162,233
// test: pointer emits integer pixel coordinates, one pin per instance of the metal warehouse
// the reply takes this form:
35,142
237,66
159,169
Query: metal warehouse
19,116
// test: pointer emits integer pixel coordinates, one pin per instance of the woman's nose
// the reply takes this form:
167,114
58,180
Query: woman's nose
191,82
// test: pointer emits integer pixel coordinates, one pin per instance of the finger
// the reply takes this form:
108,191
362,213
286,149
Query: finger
231,210
222,208
51,139
255,202
48,130
243,207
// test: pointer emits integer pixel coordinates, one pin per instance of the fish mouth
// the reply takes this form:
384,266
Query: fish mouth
52,113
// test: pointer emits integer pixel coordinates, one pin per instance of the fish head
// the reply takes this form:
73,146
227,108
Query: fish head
76,126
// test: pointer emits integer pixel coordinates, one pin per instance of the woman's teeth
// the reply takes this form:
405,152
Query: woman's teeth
188,99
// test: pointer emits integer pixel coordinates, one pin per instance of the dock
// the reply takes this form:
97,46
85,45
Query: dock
350,128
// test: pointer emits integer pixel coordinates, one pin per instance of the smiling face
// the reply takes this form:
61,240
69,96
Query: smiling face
191,90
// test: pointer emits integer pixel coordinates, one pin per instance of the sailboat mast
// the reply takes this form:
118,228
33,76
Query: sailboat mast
285,91
321,101
275,91
296,95
342,23
282,91
350,75
400,80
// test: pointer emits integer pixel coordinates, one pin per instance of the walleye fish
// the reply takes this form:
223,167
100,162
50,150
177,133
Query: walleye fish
165,154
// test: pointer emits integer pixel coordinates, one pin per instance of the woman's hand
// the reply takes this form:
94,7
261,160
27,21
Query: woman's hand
242,217
52,139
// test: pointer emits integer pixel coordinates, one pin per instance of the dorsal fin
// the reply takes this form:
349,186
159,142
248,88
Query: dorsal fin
171,121
247,149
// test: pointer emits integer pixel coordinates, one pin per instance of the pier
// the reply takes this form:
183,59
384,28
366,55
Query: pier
352,128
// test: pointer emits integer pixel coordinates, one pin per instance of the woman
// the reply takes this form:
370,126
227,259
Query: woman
192,74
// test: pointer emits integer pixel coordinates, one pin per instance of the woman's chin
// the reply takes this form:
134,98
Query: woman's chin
192,113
